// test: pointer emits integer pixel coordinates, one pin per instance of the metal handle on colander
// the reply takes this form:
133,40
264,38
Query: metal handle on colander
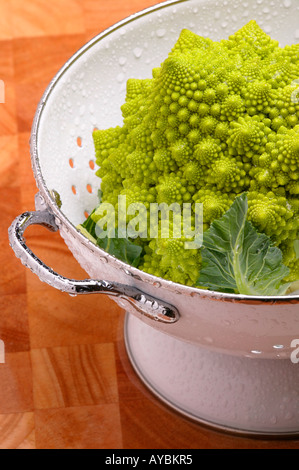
143,303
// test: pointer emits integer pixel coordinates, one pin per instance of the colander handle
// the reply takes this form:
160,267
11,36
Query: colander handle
145,304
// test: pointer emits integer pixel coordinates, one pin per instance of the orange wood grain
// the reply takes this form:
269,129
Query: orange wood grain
37,18
17,431
16,392
84,427
66,381
9,163
74,376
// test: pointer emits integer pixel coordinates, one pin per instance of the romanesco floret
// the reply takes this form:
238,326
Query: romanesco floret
166,256
215,120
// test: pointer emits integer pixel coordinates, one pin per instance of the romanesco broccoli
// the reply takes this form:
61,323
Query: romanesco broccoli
216,119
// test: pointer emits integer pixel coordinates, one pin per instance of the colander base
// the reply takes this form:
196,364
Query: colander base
230,393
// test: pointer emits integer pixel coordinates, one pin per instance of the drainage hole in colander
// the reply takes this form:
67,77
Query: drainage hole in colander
91,164
79,141
74,189
86,214
89,188
71,163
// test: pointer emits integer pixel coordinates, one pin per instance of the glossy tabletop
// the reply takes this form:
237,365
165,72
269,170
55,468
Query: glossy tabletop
65,380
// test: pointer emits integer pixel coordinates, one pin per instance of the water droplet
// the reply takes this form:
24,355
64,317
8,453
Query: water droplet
160,32
278,346
122,60
127,272
136,276
255,351
157,284
208,339
137,52
287,3
273,419
120,77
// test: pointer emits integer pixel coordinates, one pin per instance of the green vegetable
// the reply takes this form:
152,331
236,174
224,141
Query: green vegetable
122,248
215,120
236,258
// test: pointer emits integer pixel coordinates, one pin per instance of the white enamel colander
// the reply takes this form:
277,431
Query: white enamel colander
221,359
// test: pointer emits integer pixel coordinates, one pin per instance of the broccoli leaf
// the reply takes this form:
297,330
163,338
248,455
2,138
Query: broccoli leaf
89,225
121,248
238,259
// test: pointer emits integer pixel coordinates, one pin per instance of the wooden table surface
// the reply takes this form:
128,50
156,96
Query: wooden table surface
66,381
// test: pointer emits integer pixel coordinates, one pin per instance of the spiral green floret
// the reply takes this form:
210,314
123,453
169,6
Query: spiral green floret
291,259
272,215
194,172
215,203
252,40
107,140
167,256
207,151
217,118
258,97
247,136
228,174
137,88
189,40
173,189
181,151
232,108
285,105
139,164
282,69
285,156
164,160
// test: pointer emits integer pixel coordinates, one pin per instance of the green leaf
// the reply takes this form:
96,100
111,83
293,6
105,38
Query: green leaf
122,248
89,224
238,259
